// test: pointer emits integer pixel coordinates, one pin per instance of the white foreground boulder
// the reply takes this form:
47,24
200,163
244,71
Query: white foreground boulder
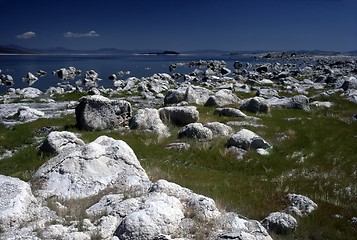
15,200
91,168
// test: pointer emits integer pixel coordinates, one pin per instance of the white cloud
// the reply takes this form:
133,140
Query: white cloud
26,35
78,35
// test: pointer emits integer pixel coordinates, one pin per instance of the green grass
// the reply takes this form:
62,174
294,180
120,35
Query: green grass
21,138
70,96
314,155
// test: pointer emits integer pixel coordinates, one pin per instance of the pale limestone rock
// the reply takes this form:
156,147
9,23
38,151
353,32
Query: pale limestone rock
16,199
57,142
247,139
91,168
149,119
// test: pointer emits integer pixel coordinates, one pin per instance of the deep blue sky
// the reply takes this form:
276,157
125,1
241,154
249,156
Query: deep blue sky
181,24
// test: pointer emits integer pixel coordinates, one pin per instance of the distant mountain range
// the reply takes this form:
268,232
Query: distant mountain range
14,49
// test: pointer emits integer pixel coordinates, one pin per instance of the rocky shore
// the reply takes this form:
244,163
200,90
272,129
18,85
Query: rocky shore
125,202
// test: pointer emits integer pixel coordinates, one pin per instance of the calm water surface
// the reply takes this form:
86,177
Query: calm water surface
139,66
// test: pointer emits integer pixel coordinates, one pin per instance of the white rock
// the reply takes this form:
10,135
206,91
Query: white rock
57,142
30,78
230,112
296,102
30,92
255,105
174,96
321,104
247,139
149,119
107,226
115,205
196,131
219,129
203,207
262,151
26,114
196,95
233,226
16,199
91,168
222,98
161,214
54,231
178,146
98,112
171,189
179,115
266,82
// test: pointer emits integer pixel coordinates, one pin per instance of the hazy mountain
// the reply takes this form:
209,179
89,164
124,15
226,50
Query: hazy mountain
14,49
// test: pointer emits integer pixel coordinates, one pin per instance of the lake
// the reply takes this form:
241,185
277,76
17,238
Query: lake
139,66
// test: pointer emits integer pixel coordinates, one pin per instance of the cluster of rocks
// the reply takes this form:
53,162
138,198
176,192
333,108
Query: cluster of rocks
67,74
122,201
130,206
284,222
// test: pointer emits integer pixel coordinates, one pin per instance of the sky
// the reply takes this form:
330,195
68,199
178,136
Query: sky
181,25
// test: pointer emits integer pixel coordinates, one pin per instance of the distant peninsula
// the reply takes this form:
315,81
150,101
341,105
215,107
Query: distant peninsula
160,53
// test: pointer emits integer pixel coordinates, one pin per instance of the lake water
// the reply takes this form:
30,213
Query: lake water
139,66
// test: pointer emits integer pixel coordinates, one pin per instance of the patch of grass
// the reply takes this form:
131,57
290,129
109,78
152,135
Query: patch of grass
23,164
21,139
70,96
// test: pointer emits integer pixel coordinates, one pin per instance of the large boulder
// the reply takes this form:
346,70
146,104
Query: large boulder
179,115
197,95
196,131
15,200
280,223
174,96
148,119
222,98
57,142
296,102
191,94
89,169
255,105
98,113
246,140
